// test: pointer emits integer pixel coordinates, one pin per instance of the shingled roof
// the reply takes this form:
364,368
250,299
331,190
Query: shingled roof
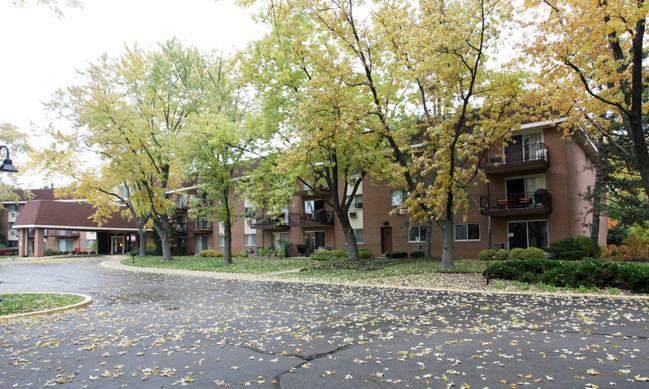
66,215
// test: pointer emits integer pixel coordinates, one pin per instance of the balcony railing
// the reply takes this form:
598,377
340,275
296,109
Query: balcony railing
305,192
199,225
538,202
180,227
271,222
517,158
319,218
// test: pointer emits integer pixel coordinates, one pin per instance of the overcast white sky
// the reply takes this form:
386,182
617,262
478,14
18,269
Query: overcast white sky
41,51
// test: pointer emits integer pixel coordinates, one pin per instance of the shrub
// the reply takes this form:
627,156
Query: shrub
91,252
483,255
588,273
584,243
638,248
568,249
364,254
516,253
533,253
210,253
396,254
417,254
325,255
340,253
50,252
242,254
616,235
502,255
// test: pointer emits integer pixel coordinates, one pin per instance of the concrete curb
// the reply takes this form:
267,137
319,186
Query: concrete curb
87,300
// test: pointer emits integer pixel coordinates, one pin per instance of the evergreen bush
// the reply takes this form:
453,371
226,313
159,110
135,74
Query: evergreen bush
533,253
569,249
516,253
417,254
396,254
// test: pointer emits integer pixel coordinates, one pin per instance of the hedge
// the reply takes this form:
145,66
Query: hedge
589,273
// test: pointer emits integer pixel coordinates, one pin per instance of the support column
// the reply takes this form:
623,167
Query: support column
39,242
23,239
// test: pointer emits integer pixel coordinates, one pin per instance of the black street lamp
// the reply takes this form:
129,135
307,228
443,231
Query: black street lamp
7,165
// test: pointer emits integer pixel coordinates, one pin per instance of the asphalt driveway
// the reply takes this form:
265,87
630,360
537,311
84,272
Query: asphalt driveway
159,330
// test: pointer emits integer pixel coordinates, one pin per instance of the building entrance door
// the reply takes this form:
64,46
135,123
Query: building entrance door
386,239
117,244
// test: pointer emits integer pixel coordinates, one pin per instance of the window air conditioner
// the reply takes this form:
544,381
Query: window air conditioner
419,247
353,215
499,246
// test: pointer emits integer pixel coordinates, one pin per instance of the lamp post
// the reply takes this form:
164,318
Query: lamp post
7,166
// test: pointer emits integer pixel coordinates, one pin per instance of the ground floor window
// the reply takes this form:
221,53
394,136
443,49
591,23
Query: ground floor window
467,231
250,239
314,240
358,232
221,240
417,234
201,243
12,243
65,245
524,234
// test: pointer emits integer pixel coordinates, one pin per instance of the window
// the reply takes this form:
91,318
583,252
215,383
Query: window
467,231
248,212
221,240
250,240
65,245
201,244
90,243
359,235
398,197
417,234
357,202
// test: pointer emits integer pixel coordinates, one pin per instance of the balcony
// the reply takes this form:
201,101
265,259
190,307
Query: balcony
269,222
199,226
517,158
180,227
320,218
307,193
530,203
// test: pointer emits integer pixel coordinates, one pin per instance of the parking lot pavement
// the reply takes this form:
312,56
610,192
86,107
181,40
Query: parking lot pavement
156,330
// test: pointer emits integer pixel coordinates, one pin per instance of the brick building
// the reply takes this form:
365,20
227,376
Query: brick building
39,222
533,199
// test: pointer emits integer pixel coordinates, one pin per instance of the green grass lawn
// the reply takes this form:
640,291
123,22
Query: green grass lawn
31,302
341,270
252,265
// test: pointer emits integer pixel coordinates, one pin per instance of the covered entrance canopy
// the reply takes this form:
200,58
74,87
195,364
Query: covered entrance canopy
40,215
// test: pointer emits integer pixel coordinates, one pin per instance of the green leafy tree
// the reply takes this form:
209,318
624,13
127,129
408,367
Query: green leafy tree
129,111
217,146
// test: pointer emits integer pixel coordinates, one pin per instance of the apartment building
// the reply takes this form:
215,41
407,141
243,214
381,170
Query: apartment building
532,199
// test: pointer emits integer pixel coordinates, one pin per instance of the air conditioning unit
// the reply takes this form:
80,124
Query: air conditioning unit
419,247
13,215
499,246
353,180
353,215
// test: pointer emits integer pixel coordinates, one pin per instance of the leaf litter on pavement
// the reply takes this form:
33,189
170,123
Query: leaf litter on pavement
232,333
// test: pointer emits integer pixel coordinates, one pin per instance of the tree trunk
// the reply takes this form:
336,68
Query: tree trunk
447,244
428,240
597,200
161,226
350,237
227,245
141,233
